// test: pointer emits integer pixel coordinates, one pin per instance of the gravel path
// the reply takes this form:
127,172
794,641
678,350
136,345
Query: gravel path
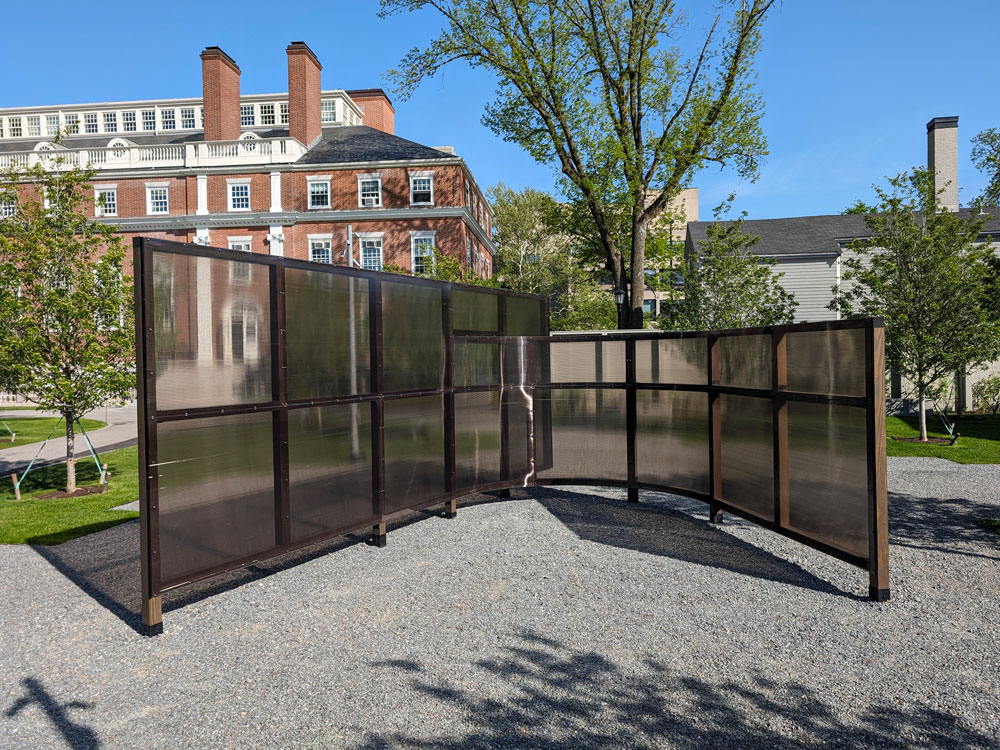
563,619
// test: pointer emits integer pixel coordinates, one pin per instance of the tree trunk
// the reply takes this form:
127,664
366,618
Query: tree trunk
922,412
70,451
637,285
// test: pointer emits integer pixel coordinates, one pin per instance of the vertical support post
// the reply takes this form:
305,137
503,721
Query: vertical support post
779,424
151,605
504,400
631,417
878,493
714,513
378,410
378,535
448,331
279,388
17,490
714,426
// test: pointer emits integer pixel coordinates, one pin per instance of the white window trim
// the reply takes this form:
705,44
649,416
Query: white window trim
422,176
229,192
310,238
247,239
362,236
150,186
422,235
329,193
106,187
366,178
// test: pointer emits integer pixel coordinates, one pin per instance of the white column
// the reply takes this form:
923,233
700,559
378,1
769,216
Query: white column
277,239
203,295
275,192
202,195
202,237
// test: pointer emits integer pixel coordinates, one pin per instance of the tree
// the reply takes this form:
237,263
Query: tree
537,253
727,286
601,90
986,157
923,273
66,330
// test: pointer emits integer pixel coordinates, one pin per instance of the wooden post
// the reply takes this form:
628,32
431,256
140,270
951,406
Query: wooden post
451,508
378,535
17,492
878,536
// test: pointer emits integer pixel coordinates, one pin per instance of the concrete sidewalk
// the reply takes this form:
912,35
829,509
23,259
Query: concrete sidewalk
120,432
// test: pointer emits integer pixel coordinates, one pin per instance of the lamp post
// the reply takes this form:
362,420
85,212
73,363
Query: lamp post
620,302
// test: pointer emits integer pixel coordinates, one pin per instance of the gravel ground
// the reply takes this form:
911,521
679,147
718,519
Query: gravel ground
559,619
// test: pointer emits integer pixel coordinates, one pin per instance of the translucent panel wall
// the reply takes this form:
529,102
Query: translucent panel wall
580,361
477,439
587,433
672,439
412,337
748,454
745,361
414,451
476,363
671,361
830,362
524,317
475,311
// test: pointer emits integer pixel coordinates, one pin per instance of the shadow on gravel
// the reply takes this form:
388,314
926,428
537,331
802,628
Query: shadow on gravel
945,525
547,696
77,736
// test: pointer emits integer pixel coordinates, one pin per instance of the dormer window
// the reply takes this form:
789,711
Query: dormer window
328,111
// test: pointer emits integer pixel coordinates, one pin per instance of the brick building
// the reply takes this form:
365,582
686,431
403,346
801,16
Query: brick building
312,173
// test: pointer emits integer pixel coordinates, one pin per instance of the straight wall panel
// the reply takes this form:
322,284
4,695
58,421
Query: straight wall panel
681,361
582,361
412,337
588,432
475,311
745,361
476,363
524,317
827,362
477,439
414,451
748,454
672,439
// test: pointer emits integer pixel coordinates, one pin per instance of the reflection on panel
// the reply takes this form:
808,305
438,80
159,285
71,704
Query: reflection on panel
475,311
518,414
212,332
683,361
412,338
414,451
582,361
476,363
330,468
216,492
524,317
588,433
828,474
477,439
830,362
745,361
519,364
672,439
327,334
748,454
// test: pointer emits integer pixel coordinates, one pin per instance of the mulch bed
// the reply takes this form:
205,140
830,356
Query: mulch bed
928,441
96,489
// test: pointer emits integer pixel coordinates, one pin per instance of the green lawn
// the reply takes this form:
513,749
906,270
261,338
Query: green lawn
979,442
990,524
35,521
36,429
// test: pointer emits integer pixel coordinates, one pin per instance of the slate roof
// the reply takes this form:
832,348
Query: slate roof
803,235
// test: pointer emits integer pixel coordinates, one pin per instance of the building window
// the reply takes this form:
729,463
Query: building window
369,190
168,119
422,251
34,125
467,201
321,249
90,122
468,254
649,307
201,117
267,114
128,122
14,124
240,271
246,115
371,252
106,202
157,200
243,244
239,196
187,118
328,111
110,122
319,193
283,112
51,124
421,189
7,209
149,119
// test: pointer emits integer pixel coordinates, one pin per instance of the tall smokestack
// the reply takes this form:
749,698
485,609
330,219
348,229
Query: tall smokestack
220,79
303,93
942,159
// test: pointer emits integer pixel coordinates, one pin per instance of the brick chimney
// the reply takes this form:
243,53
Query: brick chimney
303,93
942,159
220,80
379,112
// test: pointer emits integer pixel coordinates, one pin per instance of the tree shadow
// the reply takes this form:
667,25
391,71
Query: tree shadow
549,696
78,736
943,524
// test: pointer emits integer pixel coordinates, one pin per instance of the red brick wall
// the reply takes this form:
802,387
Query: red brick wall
303,93
449,187
218,192
378,110
220,78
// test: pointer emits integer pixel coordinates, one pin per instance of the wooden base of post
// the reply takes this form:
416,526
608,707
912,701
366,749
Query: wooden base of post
378,535
633,494
714,514
152,616
451,508
503,493
878,595
17,492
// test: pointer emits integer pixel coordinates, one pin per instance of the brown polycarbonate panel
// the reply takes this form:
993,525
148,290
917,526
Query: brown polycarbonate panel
329,468
477,439
518,367
831,362
212,332
828,474
476,363
475,311
216,491
519,443
672,439
327,334
745,361
414,451
412,338
583,361
683,361
524,317
748,454
588,433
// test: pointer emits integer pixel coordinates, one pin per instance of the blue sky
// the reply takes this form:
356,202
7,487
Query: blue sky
849,85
